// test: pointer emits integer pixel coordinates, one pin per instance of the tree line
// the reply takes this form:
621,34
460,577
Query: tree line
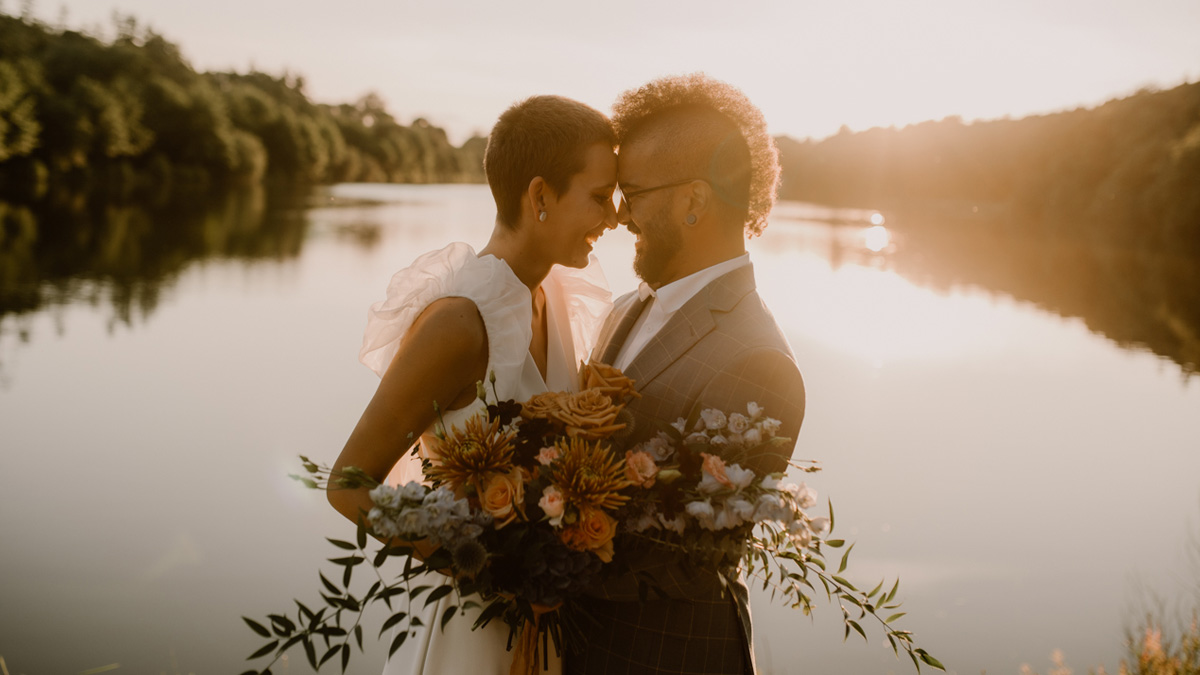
130,114
1126,172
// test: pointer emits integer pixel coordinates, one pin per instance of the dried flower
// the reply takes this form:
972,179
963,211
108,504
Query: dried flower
471,455
469,557
589,475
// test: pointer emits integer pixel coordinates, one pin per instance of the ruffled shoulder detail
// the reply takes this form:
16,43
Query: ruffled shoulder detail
588,301
455,271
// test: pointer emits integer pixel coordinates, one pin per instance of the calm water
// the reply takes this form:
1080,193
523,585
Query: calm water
1031,478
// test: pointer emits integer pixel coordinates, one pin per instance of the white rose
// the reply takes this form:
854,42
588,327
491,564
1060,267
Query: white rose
680,425
714,420
718,441
770,426
819,525
412,491
738,476
741,507
726,519
676,524
806,497
752,437
770,507
702,512
753,409
385,496
738,423
659,447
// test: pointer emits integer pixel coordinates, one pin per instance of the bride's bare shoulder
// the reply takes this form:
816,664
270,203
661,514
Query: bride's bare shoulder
451,324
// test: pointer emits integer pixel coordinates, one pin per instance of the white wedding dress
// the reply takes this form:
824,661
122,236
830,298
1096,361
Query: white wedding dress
576,304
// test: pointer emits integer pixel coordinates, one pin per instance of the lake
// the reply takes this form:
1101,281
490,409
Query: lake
1012,428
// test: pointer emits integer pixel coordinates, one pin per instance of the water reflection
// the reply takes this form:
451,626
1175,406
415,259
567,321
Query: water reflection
1141,300
72,249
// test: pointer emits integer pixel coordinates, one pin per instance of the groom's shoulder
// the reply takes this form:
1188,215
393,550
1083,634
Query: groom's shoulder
754,324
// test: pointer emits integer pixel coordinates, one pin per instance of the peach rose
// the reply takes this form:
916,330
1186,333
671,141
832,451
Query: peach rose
640,468
547,455
594,531
553,504
715,467
503,495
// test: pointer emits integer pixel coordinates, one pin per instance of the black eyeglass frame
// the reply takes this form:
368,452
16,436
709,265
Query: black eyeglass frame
626,196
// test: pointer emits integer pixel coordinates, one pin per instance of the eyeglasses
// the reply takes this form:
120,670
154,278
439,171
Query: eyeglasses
625,196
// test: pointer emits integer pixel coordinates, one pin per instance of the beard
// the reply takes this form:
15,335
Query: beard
660,242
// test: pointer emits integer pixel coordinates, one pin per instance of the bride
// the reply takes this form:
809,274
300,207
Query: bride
525,307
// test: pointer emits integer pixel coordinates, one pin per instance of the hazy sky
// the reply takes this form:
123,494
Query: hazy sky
811,66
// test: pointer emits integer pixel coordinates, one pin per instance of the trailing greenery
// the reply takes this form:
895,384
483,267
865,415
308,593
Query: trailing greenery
1125,172
130,114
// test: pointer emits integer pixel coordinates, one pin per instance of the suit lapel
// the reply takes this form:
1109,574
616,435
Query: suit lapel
617,330
693,321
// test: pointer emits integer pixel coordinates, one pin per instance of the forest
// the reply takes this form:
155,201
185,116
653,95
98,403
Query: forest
1125,173
129,117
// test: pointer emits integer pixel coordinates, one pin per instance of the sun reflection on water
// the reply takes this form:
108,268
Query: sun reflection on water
876,237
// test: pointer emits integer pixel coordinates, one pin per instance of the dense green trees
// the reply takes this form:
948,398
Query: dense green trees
1125,172
131,115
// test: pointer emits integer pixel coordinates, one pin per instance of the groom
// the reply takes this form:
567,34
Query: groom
697,172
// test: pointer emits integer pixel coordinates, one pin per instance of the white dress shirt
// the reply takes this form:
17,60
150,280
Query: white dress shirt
667,300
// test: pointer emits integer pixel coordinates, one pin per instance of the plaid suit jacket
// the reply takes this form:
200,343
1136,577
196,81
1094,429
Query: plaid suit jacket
722,349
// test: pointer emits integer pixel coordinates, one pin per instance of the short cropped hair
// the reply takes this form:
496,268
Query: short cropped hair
545,136
713,131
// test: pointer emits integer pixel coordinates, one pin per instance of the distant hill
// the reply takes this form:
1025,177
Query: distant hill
1126,172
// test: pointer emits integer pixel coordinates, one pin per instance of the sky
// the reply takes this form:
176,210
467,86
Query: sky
811,66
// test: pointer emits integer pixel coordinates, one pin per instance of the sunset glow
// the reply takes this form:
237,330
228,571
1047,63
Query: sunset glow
861,64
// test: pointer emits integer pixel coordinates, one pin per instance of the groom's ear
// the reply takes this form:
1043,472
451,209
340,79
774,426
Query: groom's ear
699,196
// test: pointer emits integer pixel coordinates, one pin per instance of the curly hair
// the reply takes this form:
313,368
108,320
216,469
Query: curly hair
545,136
700,115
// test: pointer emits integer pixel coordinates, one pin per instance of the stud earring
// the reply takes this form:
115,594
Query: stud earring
691,219
542,216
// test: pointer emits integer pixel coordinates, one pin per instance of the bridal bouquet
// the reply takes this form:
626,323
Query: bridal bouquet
520,508
517,508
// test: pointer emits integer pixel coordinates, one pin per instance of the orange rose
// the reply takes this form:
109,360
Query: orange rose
542,406
503,495
607,380
594,531
589,415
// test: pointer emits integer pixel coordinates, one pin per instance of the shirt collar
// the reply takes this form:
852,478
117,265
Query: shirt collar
674,295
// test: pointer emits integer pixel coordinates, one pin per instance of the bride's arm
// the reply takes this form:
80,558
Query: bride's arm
440,359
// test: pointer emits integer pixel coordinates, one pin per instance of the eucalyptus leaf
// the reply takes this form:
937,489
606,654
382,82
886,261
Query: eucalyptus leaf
257,627
397,641
437,594
266,649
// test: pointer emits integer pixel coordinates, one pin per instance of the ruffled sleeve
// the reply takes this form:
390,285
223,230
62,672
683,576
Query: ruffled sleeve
588,301
455,271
